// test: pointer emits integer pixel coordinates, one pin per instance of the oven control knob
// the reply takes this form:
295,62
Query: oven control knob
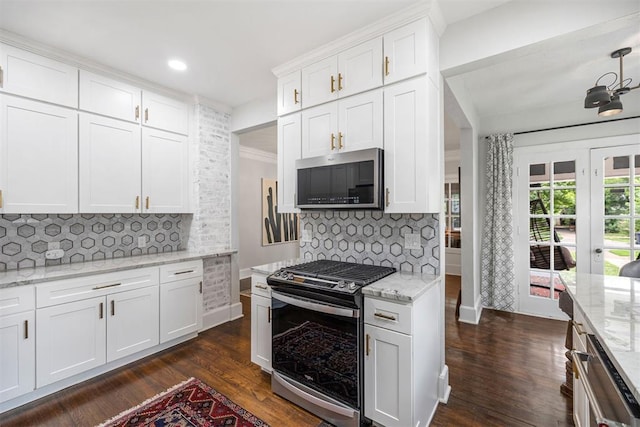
352,286
290,276
277,273
342,284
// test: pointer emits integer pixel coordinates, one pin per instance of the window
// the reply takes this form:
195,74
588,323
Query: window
452,214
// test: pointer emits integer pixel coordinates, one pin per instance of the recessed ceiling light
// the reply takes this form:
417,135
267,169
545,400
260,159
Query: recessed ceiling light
178,65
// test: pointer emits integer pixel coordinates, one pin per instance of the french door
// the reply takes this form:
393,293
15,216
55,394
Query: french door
615,208
551,217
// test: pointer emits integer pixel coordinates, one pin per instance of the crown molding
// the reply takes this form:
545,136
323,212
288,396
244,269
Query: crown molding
83,63
259,155
405,16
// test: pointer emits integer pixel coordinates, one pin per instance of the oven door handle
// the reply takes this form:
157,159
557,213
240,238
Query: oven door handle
322,308
580,373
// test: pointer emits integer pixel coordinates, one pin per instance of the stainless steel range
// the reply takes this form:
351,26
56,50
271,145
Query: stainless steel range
317,354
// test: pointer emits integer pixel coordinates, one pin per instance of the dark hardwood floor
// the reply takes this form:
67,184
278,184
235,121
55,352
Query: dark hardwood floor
506,371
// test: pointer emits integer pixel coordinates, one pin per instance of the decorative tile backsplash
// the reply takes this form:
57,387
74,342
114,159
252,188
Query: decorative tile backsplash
371,237
24,239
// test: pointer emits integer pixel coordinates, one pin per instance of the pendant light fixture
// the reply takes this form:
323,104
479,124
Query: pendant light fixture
607,98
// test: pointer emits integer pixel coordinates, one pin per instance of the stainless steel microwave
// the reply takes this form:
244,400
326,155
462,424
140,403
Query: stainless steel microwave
351,180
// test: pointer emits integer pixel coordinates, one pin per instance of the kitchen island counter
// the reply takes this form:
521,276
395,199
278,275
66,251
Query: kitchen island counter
401,286
611,307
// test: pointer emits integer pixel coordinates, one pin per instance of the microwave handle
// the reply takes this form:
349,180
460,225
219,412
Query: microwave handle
580,373
310,305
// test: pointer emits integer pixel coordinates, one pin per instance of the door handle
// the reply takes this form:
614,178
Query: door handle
598,250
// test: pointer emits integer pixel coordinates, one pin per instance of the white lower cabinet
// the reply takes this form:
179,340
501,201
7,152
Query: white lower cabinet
581,414
261,322
181,308
17,342
402,359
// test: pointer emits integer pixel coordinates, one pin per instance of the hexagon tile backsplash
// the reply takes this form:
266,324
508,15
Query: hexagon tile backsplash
24,239
371,237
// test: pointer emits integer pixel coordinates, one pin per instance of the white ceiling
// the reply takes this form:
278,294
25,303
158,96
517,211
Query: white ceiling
231,46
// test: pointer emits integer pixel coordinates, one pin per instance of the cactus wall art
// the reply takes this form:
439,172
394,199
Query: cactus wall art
276,227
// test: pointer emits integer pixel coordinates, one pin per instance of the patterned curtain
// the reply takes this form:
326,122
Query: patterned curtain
498,275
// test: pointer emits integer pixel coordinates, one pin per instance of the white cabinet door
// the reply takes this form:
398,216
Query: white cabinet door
360,121
33,76
132,322
387,377
164,172
17,355
71,339
38,157
289,147
261,331
110,165
289,96
320,130
405,52
165,113
360,68
109,97
320,82
406,148
180,308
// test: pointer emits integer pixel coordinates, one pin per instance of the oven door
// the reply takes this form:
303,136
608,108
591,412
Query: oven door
317,344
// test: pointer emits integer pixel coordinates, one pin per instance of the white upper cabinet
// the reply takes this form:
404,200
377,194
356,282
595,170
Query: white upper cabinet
411,147
109,97
320,82
110,165
352,71
165,113
352,123
33,76
319,130
359,68
38,157
289,150
164,172
289,93
405,52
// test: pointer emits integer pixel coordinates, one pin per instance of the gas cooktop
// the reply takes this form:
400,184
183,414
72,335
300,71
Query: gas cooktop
335,275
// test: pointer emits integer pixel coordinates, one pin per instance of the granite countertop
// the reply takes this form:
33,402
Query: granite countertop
42,274
275,266
401,286
611,307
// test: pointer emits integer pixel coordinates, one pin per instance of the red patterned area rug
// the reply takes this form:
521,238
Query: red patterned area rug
189,404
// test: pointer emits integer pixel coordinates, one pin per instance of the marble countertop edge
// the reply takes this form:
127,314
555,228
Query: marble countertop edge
67,271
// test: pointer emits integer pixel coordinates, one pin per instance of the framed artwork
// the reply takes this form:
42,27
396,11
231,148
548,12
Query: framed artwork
276,227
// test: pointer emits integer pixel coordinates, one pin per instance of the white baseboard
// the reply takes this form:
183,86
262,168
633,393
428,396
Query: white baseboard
245,273
221,315
444,389
235,311
471,314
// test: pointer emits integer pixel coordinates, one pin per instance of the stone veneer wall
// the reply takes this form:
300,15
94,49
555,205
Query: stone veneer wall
210,227
24,239
371,237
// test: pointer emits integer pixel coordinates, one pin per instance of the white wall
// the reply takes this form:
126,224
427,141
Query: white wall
253,166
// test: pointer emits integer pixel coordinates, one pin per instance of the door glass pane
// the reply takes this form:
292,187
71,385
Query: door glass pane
616,232
616,170
616,201
636,191
564,202
539,202
564,174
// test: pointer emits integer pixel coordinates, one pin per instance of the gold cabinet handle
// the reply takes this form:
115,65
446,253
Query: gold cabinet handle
113,307
262,287
101,310
339,81
146,115
367,349
26,329
333,84
269,315
295,96
146,203
201,286
333,142
340,146
579,328
385,316
182,272
137,112
387,197
137,202
386,65
96,288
